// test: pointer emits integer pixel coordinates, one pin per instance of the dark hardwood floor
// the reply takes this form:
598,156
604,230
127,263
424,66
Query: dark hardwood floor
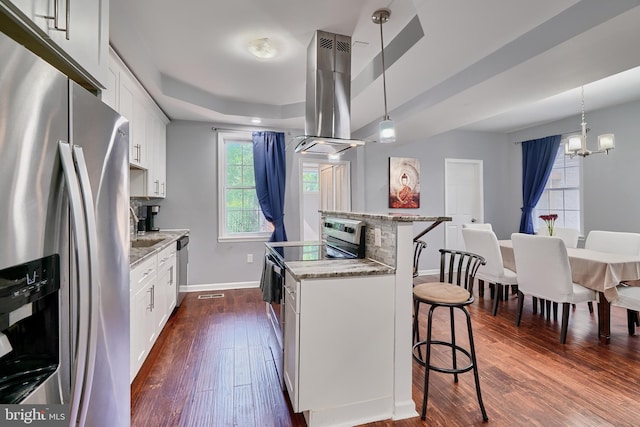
212,366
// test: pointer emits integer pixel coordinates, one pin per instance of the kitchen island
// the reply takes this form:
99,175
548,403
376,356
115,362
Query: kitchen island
347,327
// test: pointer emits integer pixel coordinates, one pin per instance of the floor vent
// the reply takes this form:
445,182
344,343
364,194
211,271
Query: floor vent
210,296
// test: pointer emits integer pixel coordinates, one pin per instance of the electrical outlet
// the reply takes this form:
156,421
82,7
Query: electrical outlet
249,258
377,237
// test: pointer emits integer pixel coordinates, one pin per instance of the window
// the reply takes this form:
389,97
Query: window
240,216
562,193
310,182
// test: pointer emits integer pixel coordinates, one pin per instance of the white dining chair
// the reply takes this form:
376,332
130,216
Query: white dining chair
478,226
629,298
569,235
544,272
616,242
625,243
485,243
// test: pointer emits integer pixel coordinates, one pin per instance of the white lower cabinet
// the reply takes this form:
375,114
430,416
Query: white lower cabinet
152,300
339,331
291,338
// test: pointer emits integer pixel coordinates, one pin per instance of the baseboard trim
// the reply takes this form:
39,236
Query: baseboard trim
428,272
219,286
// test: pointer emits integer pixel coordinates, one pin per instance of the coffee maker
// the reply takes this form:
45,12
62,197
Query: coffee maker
152,211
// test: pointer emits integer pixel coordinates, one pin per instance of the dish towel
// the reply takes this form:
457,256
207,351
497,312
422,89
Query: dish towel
271,281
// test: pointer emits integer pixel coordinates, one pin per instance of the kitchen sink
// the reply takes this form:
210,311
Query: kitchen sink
144,243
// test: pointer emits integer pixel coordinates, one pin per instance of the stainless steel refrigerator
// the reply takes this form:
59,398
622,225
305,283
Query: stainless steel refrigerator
64,239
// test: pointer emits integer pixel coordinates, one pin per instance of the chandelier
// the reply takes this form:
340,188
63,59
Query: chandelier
576,145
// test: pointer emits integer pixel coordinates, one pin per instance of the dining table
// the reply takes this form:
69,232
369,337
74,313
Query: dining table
600,271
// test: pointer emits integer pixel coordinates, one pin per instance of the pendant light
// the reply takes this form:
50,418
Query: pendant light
387,130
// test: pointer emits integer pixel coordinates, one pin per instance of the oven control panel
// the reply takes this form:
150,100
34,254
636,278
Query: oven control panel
343,229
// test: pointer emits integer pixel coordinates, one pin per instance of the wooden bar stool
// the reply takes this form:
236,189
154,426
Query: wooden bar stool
457,272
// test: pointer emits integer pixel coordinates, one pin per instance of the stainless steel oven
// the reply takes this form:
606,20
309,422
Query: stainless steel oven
342,239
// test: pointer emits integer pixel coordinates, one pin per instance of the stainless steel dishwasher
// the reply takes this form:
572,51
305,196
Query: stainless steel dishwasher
183,268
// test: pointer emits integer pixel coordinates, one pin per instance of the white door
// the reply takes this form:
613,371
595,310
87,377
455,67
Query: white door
463,197
323,186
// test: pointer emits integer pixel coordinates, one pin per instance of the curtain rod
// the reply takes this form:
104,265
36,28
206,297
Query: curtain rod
562,135
253,129
238,130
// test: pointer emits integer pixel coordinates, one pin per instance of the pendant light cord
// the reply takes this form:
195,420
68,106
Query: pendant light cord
384,79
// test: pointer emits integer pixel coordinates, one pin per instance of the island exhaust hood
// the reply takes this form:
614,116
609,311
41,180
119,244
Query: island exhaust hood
328,104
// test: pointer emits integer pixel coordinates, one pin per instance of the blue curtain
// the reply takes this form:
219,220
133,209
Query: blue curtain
270,168
538,156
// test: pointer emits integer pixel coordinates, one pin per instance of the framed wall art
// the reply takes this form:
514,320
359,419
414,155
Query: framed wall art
404,183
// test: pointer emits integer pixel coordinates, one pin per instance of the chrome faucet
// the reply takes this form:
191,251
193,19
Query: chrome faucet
135,222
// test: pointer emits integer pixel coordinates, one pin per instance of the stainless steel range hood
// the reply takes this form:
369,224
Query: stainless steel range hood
328,103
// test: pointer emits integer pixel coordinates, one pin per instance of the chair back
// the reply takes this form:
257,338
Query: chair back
569,235
543,267
484,243
614,242
478,226
459,267
418,246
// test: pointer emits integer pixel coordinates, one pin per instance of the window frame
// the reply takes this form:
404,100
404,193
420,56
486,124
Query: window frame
579,187
223,236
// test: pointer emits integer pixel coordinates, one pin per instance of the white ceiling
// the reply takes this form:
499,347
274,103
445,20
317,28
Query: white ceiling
494,65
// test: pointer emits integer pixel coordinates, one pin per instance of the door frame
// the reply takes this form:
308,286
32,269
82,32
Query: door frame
479,188
320,162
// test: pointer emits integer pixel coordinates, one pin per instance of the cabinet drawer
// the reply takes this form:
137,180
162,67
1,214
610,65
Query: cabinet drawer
142,273
166,255
291,289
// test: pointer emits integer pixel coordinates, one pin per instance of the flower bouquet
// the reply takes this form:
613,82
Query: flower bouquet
550,221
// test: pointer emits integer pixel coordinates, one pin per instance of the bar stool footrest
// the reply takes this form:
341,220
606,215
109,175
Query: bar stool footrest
462,350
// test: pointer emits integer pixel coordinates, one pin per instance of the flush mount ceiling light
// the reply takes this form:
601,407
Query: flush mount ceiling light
262,48
576,145
256,120
387,130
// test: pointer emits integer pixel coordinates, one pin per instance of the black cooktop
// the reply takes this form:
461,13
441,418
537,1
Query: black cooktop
311,252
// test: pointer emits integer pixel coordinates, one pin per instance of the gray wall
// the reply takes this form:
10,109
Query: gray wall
608,196
497,168
192,202
610,199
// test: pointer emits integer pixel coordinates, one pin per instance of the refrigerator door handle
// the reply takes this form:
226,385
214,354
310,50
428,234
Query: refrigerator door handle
94,284
80,233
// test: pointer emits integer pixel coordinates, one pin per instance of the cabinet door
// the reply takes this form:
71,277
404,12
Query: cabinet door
84,35
139,124
125,107
172,278
160,302
79,30
291,341
156,149
110,93
141,326
161,157
153,180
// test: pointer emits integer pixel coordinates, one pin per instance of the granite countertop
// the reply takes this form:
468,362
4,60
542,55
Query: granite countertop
399,217
163,238
331,268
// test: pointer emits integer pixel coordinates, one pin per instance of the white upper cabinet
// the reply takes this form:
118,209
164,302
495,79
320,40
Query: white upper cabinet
148,133
77,30
156,146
